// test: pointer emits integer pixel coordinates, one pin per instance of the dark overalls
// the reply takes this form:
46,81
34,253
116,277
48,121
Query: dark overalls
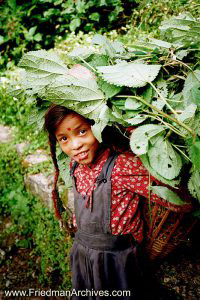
101,261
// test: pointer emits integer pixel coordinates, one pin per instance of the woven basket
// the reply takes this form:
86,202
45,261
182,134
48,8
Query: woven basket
166,226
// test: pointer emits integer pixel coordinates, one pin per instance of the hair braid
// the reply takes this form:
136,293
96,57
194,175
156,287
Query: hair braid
58,208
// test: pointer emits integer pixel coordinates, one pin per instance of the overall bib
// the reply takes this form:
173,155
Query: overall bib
99,260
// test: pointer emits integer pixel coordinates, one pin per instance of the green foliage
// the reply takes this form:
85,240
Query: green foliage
194,152
34,225
149,14
130,87
53,247
131,75
164,159
11,185
32,25
12,110
166,194
140,138
194,185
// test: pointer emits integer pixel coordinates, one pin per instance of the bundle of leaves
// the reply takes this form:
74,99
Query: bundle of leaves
153,85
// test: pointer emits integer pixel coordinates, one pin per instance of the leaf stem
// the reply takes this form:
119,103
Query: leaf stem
160,112
181,152
87,63
171,127
161,96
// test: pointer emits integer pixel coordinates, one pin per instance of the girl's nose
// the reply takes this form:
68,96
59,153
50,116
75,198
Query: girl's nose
76,144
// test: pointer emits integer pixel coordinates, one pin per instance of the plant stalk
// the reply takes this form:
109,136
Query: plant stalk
160,112
161,96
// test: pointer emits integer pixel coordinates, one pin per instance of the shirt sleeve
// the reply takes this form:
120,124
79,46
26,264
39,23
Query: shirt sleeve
133,176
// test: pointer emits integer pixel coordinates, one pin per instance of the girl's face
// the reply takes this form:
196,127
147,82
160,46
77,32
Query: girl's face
76,139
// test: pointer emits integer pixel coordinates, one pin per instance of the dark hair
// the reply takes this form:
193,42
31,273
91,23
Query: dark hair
111,137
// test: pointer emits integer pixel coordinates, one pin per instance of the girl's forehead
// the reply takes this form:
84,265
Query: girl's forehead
73,119
70,122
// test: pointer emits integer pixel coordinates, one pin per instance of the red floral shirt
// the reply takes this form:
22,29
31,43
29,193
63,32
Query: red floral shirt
129,180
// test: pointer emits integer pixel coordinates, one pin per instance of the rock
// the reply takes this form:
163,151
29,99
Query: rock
38,157
70,199
21,148
5,134
40,185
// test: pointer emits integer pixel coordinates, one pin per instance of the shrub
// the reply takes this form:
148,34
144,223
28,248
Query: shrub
31,25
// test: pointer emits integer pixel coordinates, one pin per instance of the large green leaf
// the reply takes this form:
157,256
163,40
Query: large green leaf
37,117
69,88
85,108
140,137
164,159
195,92
167,194
181,29
41,68
129,74
136,120
188,113
42,63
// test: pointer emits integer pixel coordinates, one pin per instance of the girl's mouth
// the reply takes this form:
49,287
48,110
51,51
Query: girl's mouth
82,155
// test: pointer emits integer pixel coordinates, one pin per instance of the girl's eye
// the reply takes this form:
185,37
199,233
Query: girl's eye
63,139
83,131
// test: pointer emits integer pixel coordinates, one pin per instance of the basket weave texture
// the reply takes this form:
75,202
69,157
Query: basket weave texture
166,226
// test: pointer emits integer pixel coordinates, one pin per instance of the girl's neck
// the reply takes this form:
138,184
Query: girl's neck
100,151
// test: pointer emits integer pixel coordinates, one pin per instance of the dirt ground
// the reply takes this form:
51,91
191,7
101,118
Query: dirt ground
178,273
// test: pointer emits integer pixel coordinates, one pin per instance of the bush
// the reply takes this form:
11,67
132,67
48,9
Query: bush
34,225
149,14
31,25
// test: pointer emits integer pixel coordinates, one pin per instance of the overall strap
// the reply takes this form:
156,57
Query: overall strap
105,177
75,165
106,171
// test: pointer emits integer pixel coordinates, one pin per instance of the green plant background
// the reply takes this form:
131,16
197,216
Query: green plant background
36,24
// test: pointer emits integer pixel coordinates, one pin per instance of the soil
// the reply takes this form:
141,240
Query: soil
179,273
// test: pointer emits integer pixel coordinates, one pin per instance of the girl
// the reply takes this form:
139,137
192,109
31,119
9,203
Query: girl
108,189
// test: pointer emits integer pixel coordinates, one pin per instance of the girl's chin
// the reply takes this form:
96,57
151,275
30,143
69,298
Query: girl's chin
85,161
